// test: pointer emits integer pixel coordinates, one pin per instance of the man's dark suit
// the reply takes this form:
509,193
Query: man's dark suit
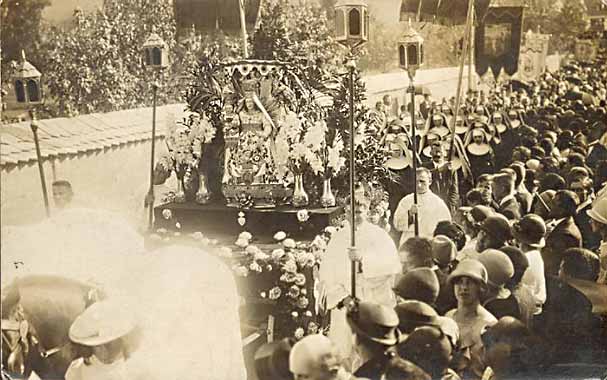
565,234
444,184
590,239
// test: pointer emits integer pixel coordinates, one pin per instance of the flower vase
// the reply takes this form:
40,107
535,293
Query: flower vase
300,197
180,193
203,195
327,199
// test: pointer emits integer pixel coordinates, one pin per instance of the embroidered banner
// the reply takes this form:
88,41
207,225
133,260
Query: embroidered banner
498,40
532,61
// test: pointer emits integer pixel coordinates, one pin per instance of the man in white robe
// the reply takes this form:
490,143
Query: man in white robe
379,264
430,209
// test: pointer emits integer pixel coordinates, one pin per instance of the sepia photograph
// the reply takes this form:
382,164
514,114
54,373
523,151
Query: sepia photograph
303,189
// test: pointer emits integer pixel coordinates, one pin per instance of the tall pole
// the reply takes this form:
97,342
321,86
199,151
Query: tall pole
34,127
414,146
458,95
243,28
471,50
155,86
352,176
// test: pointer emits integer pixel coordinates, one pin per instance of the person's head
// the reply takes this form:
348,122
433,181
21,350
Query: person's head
379,106
564,204
520,263
102,327
272,360
581,264
520,171
374,328
529,232
582,188
249,103
503,185
469,280
478,136
555,248
453,231
598,216
398,368
510,349
413,314
542,207
494,232
62,193
474,197
416,252
315,357
443,251
552,181
419,284
424,180
521,153
485,184
362,204
499,268
429,348
437,152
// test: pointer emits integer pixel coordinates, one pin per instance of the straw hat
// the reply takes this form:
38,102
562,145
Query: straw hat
101,323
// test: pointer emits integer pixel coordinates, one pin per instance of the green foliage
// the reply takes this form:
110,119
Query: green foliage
571,22
270,39
21,27
97,65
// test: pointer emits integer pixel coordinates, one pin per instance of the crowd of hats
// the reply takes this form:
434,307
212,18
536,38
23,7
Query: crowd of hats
557,169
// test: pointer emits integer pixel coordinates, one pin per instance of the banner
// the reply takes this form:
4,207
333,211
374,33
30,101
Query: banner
532,61
585,50
497,39
446,12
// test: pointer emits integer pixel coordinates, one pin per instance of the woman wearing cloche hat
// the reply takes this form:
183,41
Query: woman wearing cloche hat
469,280
103,328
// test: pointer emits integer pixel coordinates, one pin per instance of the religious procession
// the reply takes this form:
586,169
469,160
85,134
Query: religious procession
247,190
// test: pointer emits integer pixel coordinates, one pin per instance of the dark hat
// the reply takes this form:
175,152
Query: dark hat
428,347
443,250
412,314
497,227
530,230
479,213
418,284
375,322
498,265
272,360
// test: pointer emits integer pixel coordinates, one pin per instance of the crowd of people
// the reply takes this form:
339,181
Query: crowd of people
505,275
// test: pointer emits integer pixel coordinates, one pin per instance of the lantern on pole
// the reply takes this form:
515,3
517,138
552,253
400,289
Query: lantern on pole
155,58
28,92
352,31
351,23
155,51
411,58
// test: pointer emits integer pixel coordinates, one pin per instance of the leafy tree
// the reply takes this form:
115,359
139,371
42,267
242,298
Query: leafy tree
570,22
21,26
271,38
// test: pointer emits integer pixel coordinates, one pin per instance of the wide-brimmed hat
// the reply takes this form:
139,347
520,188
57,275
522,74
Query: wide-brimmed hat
498,265
375,322
469,268
598,211
413,314
101,323
497,226
530,230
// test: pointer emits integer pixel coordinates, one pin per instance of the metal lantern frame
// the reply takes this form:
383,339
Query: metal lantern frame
410,58
156,52
156,57
28,91
411,50
27,83
352,31
351,23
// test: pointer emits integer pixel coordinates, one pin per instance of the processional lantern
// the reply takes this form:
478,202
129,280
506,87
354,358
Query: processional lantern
28,88
351,23
155,51
411,50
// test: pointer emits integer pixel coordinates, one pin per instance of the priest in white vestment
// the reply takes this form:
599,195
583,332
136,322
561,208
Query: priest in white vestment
430,209
374,282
